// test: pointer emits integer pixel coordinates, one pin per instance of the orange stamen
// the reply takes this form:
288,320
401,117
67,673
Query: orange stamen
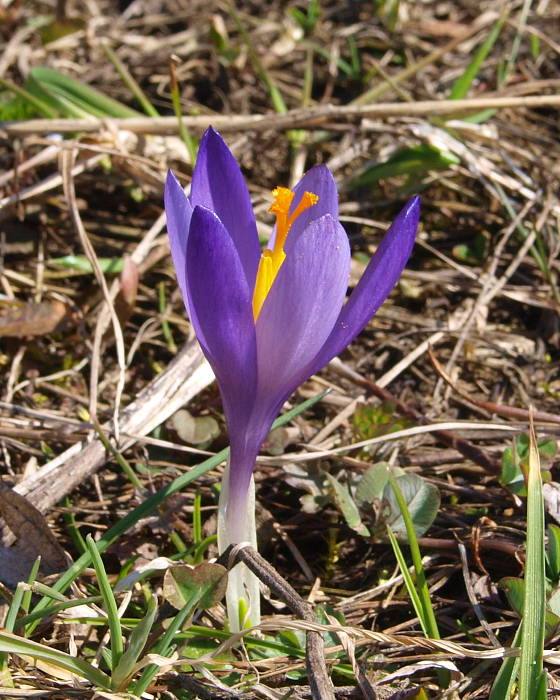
271,260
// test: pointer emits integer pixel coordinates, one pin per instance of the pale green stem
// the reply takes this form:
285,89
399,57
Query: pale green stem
237,526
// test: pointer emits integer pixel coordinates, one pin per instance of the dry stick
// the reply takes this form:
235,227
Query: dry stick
184,378
321,685
187,375
47,155
49,183
489,406
472,596
309,118
455,322
486,292
466,448
67,163
488,545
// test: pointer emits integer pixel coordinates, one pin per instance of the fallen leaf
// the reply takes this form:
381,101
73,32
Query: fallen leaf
19,319
34,538
182,583
195,430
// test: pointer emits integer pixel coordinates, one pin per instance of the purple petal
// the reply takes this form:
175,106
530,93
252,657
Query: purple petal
221,312
179,211
219,186
380,276
302,306
319,181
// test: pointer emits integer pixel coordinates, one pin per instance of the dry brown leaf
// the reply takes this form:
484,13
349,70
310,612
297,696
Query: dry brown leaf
34,538
19,319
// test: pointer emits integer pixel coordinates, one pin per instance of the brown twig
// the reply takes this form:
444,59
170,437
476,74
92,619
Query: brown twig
490,406
321,685
466,448
309,118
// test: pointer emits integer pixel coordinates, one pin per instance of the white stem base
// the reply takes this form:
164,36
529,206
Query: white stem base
243,597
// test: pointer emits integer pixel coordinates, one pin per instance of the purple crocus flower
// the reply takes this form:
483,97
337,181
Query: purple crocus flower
268,321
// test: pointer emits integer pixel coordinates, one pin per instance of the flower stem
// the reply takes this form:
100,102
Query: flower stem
236,525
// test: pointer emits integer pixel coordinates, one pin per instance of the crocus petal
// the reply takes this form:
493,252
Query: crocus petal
179,211
221,312
219,186
380,276
302,306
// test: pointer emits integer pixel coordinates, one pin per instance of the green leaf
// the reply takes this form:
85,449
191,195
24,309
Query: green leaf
74,98
207,582
136,643
307,19
473,252
422,500
372,484
502,688
412,160
462,85
553,602
533,635
13,644
58,28
553,553
515,462
547,448
515,592
373,421
346,505
109,266
195,430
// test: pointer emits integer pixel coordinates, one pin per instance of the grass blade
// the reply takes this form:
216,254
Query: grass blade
408,581
109,602
532,637
428,616
165,645
421,583
502,687
13,644
82,96
44,108
462,85
189,140
151,503
129,81
136,643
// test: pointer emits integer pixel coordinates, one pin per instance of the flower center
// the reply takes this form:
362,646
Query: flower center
271,260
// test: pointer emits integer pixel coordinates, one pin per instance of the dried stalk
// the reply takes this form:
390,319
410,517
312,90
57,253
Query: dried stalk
309,118
321,685
185,377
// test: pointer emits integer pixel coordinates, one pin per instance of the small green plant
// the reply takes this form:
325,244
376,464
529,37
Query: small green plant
534,597
373,500
411,161
515,463
373,421
308,18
